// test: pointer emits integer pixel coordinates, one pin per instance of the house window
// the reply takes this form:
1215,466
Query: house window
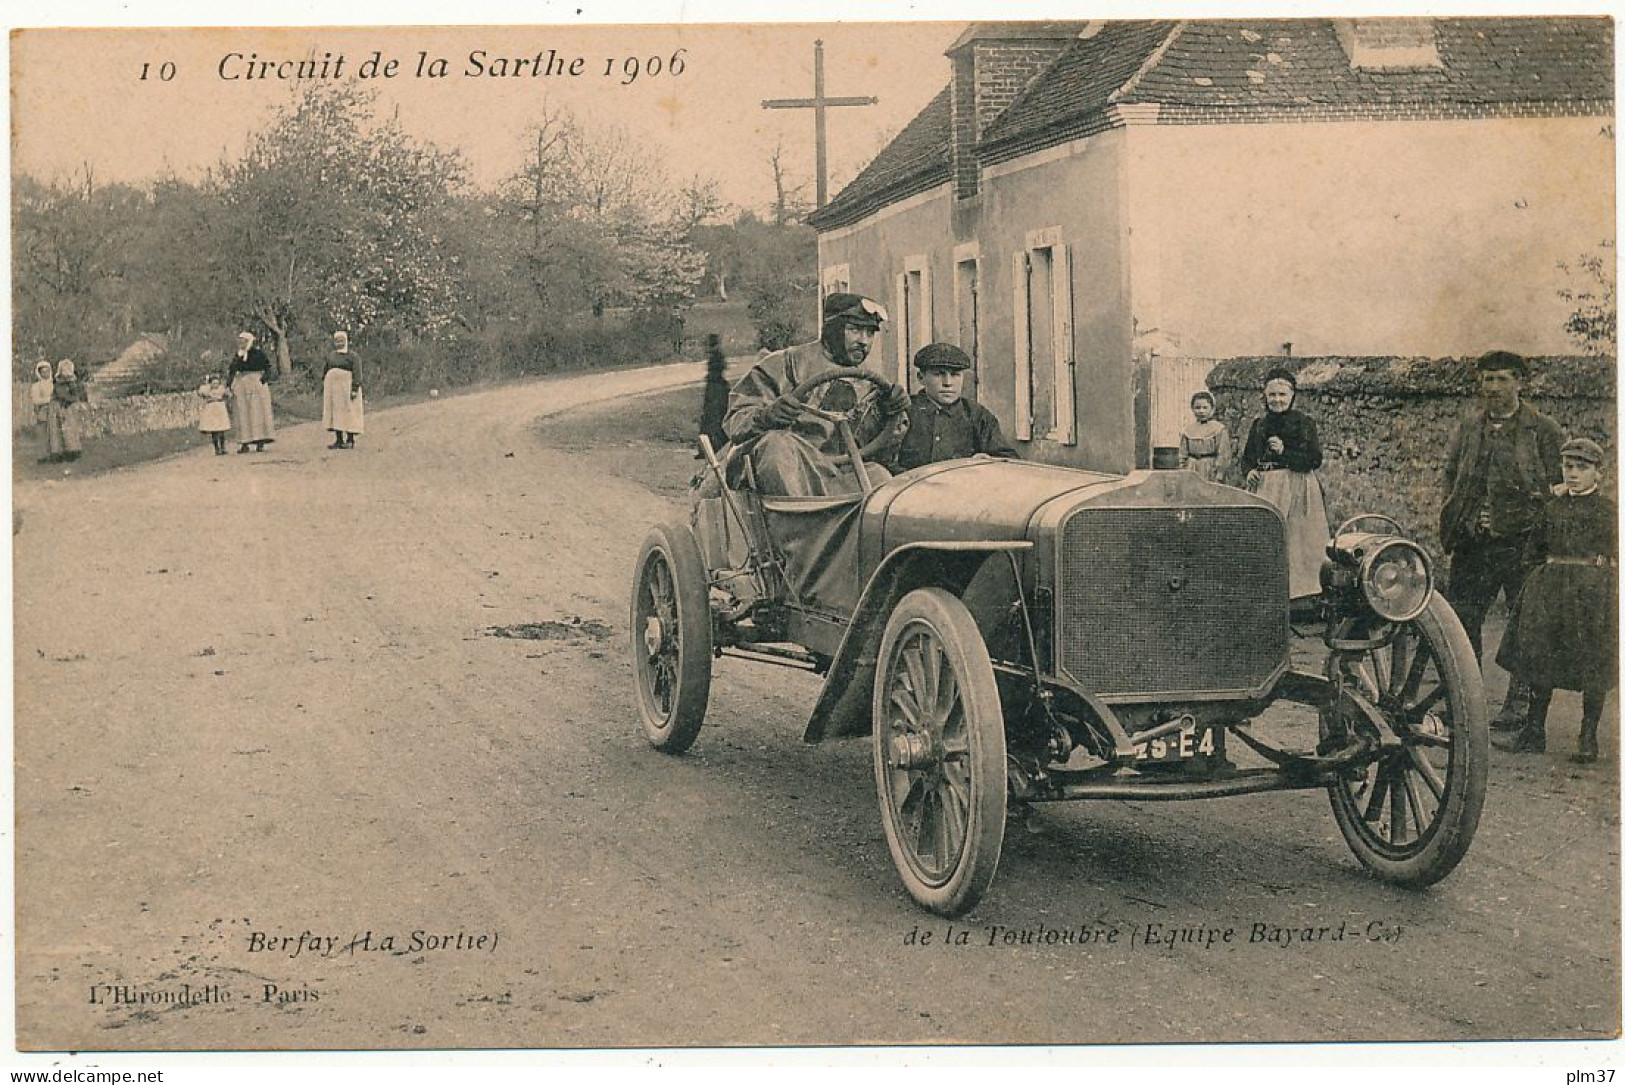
1043,317
912,317
967,315
837,279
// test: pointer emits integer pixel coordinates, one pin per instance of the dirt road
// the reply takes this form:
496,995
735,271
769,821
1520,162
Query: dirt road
275,710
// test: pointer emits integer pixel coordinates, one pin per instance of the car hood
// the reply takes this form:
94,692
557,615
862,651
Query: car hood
970,500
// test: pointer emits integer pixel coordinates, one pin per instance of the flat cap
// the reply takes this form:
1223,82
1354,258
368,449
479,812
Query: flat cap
854,309
1584,448
941,356
1503,359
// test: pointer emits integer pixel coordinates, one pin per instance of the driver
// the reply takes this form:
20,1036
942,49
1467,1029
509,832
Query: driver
792,452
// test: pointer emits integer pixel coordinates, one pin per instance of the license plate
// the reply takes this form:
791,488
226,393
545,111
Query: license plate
1189,741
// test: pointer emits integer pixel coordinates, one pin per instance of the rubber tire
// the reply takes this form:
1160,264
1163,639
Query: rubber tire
967,655
675,731
1467,780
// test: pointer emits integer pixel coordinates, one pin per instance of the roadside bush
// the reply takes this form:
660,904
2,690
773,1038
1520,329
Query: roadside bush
778,309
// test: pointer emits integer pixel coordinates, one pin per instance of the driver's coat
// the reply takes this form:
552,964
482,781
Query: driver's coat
795,461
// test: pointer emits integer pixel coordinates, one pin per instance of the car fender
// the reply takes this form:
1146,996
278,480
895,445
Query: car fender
843,706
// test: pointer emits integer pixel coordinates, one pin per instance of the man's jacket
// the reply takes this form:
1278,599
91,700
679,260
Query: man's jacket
1537,443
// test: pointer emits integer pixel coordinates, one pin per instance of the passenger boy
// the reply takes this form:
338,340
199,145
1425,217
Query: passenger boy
942,424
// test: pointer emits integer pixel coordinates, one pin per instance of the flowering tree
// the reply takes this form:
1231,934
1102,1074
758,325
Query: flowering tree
331,220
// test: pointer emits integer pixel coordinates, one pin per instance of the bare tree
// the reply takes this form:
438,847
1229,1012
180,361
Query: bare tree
789,200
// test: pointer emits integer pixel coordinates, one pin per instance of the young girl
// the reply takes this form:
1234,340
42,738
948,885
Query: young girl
1561,632
39,397
214,419
1280,461
1204,445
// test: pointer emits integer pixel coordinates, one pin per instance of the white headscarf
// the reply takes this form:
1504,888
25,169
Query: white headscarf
39,393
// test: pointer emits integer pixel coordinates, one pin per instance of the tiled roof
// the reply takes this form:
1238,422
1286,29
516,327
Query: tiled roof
1276,62
1263,65
913,162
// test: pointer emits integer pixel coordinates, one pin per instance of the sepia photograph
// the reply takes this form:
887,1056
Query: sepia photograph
827,534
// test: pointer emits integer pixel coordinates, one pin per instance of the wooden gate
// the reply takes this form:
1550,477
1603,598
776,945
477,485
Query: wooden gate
1174,380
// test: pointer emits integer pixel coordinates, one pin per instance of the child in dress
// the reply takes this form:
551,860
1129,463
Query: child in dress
214,419
1204,445
1562,629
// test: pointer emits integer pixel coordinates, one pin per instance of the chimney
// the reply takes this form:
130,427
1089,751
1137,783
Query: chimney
992,64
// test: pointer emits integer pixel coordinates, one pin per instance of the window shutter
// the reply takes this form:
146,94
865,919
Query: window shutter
899,317
1066,429
928,323
1019,317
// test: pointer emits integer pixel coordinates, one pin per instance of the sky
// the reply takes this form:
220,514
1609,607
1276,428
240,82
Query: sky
80,97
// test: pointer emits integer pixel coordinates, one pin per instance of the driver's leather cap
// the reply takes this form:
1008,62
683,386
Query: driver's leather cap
855,309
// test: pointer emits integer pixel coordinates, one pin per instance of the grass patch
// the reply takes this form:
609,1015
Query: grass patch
103,455
650,439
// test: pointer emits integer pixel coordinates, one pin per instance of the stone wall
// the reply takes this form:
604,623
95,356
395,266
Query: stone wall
1386,423
112,417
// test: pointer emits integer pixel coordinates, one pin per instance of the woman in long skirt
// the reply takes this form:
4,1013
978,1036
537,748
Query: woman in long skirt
245,378
61,429
1281,461
343,411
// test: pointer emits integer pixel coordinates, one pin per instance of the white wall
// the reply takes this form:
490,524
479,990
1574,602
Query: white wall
1428,238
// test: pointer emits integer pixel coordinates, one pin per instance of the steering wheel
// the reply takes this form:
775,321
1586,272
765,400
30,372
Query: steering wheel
883,387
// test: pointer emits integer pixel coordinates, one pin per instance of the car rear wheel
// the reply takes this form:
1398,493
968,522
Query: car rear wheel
671,637
1410,816
939,752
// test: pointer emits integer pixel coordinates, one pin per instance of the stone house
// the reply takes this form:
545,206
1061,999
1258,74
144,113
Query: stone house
1099,211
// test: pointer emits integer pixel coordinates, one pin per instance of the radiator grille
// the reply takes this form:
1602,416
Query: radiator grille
1157,600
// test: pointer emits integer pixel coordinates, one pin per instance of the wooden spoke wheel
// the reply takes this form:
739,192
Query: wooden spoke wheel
939,752
671,637
1410,815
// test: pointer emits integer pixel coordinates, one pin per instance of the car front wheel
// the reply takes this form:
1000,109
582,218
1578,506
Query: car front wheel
939,752
1410,815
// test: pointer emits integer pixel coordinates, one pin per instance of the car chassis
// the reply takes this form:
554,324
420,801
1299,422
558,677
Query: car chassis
954,658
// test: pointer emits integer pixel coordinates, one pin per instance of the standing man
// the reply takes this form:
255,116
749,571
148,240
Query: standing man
792,452
1505,458
942,424
714,403
341,393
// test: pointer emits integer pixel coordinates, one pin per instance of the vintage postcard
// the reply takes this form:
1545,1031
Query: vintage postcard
1039,532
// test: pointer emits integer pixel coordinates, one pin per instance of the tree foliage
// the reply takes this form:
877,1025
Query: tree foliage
333,216
332,220
71,265
603,225
1594,323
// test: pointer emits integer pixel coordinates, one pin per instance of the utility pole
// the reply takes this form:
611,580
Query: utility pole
818,103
